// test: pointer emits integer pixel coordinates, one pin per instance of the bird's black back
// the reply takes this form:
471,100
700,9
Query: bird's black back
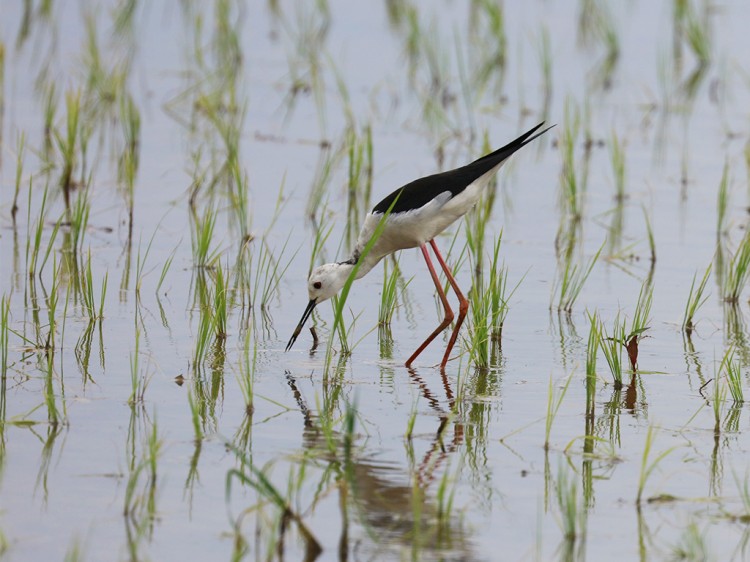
418,193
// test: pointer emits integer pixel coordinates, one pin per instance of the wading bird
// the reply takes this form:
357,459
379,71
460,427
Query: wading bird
414,215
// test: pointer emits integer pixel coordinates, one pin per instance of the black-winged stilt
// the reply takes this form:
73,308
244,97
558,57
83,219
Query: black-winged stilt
419,211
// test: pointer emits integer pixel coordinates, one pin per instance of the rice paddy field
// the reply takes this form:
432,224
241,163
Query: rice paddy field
171,172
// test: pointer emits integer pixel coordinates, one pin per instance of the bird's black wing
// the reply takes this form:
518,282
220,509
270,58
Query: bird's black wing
418,193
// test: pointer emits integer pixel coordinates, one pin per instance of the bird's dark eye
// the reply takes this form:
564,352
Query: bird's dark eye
317,284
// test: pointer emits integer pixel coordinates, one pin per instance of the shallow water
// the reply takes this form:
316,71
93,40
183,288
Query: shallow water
373,460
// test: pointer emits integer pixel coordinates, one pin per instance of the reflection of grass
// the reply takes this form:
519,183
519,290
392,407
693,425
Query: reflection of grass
592,348
259,480
722,201
617,157
573,514
648,464
554,401
733,372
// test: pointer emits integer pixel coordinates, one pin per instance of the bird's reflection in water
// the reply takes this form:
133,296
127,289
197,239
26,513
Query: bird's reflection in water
398,506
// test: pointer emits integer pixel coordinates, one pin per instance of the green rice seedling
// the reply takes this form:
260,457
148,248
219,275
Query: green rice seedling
390,292
611,42
642,314
307,34
722,202
138,381
648,465
499,292
489,308
165,268
476,227
129,159
68,144
322,233
592,348
698,34
19,157
737,272
554,402
50,111
617,157
154,446
479,330
545,60
360,172
124,15
695,300
651,240
612,347
268,272
52,301
202,239
239,195
220,303
88,298
34,236
328,162
490,42
733,372
572,281
4,340
140,264
79,220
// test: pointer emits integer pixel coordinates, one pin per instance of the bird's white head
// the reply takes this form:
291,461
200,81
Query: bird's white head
327,280
324,282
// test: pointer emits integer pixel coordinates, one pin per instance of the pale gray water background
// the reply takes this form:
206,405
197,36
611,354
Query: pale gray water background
65,484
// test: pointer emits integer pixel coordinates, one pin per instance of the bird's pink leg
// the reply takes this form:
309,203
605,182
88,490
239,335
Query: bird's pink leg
463,303
448,312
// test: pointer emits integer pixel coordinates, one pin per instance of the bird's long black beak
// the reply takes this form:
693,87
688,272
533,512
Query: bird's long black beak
298,329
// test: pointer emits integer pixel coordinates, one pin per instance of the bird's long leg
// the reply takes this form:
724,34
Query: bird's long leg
446,306
463,303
